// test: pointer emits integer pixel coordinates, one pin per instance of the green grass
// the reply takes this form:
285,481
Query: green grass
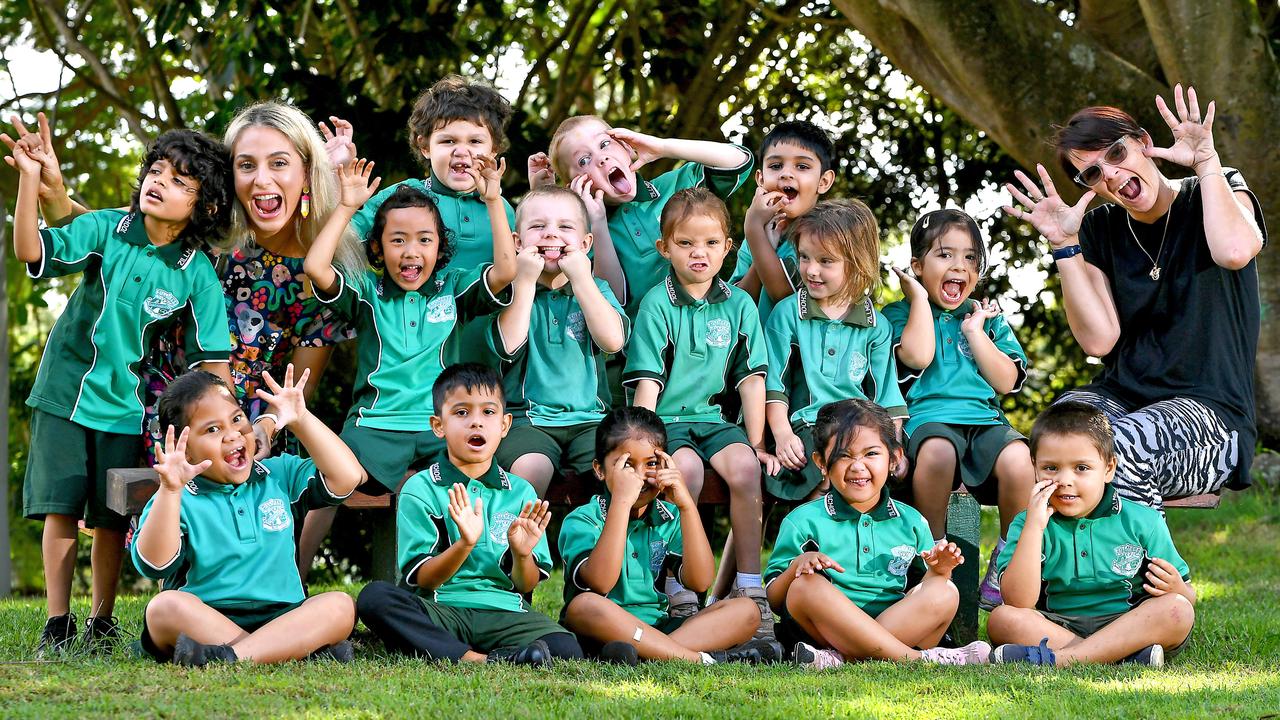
1229,670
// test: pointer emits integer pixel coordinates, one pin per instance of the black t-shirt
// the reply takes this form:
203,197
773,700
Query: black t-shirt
1194,332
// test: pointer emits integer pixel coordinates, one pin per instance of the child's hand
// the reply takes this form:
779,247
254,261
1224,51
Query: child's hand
1163,578
576,266
28,165
487,174
287,401
912,290
769,462
173,468
646,148
524,531
943,558
339,143
625,483
353,181
39,146
529,264
468,518
1038,509
592,197
671,484
262,440
815,562
540,171
765,209
975,321
790,450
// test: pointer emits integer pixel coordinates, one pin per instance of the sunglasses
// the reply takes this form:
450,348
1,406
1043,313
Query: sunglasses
1091,175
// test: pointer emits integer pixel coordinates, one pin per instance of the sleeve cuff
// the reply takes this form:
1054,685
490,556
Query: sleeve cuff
633,378
750,374
503,301
342,286
1022,373
898,412
324,482
411,574
165,566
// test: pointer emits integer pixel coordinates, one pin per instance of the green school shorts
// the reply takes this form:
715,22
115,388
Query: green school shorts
796,484
249,620
486,630
704,438
67,470
388,454
1086,625
571,447
977,447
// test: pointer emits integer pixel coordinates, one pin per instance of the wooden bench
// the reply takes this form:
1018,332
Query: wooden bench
1207,501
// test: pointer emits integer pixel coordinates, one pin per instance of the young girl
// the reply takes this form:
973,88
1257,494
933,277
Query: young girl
838,572
956,358
219,531
646,513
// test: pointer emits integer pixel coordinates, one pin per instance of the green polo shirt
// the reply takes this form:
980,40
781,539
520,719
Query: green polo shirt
697,350
651,539
464,214
875,549
952,390
787,256
406,339
815,360
91,372
1096,565
424,530
557,377
636,226
237,550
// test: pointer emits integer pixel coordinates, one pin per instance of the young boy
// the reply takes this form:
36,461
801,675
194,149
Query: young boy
1087,577
142,269
553,339
219,533
470,574
695,339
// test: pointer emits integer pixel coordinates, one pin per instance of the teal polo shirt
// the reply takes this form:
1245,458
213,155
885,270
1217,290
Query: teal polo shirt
787,256
404,340
1096,565
464,214
91,372
424,530
636,226
697,350
557,377
652,540
951,389
815,360
875,549
238,550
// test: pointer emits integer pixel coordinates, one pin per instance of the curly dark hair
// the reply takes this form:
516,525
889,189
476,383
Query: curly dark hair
208,162
407,196
185,391
454,97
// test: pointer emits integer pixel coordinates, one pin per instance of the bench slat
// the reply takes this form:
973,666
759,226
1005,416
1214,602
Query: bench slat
1207,501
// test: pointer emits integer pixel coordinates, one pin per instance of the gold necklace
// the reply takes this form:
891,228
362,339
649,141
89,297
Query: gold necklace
1155,261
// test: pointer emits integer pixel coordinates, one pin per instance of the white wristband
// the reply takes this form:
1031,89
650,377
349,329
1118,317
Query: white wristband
274,418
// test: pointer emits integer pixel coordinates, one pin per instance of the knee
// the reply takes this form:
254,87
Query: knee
944,599
166,607
339,606
1178,611
745,611
1004,620
935,462
582,605
374,599
803,589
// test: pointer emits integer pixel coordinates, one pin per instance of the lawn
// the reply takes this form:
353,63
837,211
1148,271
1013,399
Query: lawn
1230,670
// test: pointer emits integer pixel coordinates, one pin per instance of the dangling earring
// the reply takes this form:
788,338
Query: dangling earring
306,202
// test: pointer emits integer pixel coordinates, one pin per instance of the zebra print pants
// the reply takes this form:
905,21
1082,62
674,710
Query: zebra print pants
1168,449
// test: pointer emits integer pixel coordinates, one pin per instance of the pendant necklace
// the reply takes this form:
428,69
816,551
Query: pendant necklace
1155,261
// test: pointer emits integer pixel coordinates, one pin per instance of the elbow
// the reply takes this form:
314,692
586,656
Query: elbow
1234,258
613,346
1100,345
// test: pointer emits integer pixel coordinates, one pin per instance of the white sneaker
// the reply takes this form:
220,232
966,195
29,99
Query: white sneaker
806,655
975,653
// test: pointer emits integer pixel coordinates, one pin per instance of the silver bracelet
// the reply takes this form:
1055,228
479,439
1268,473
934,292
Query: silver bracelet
1208,174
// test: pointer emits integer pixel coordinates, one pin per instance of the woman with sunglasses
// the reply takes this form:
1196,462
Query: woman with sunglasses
1161,284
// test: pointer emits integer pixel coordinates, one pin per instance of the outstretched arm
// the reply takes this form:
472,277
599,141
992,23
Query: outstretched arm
356,189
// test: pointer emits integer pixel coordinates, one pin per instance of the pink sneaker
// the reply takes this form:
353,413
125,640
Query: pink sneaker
806,655
975,653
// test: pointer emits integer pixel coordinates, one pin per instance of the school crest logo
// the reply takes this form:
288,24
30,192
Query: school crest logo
274,517
161,305
718,333
962,344
657,554
902,557
1128,559
857,366
441,310
575,326
498,527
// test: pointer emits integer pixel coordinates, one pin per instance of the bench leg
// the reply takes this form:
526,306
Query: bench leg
964,521
383,561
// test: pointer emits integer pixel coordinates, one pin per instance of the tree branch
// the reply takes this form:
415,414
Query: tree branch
154,69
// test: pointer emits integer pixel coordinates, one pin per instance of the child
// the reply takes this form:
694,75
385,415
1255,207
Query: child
613,601
839,567
696,340
143,268
471,574
405,315
553,339
956,358
1087,577
826,342
219,533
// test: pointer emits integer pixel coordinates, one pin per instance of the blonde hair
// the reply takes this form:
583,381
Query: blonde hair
693,202
849,230
557,163
321,183
554,191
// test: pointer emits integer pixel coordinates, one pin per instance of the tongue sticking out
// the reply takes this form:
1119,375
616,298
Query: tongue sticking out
618,179
952,291
1130,190
410,272
268,206
551,253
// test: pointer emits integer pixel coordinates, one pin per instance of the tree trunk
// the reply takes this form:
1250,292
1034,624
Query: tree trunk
1013,69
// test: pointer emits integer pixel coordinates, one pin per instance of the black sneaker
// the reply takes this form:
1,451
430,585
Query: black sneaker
1152,655
620,653
338,652
189,653
100,634
58,633
753,651
535,653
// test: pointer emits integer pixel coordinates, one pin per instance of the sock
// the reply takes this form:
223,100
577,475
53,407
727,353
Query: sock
707,659
711,600
673,586
749,580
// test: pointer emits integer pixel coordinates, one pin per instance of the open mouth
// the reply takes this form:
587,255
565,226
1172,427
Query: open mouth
619,181
236,459
1130,190
552,252
154,196
953,291
267,205
410,273
860,483
790,192
1067,498
698,266
476,441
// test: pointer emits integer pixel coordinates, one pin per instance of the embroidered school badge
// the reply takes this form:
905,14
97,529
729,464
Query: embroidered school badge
161,305
857,366
1128,560
902,557
962,345
441,310
498,527
657,554
718,333
575,326
274,517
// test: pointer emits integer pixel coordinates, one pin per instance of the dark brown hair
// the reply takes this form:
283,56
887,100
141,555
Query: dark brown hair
1075,418
454,97
840,420
933,225
1093,128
